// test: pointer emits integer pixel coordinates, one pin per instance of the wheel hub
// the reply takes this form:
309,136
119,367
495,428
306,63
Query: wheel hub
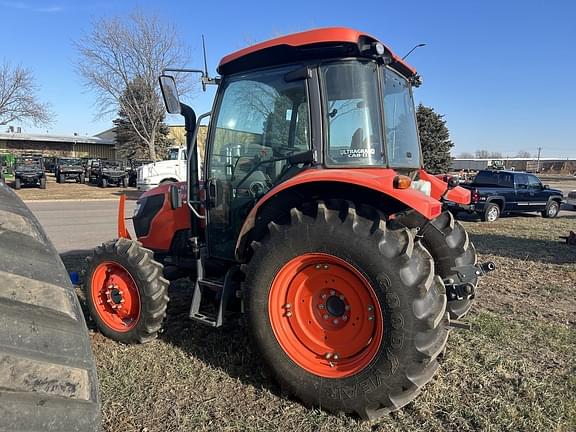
115,296
335,306
323,314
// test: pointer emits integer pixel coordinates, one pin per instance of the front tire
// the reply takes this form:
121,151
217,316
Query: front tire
43,183
17,184
125,291
448,242
552,210
379,277
103,183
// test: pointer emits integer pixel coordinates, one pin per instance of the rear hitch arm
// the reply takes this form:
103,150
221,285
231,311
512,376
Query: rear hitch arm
461,285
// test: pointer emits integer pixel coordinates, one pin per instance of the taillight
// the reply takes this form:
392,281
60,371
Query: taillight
475,196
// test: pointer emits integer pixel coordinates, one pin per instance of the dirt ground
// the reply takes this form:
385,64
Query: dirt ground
72,191
514,371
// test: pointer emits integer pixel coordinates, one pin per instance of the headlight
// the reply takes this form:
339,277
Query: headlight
423,186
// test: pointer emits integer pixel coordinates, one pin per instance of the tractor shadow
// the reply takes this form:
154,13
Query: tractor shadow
227,348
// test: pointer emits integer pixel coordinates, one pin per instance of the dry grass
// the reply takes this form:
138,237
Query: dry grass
514,371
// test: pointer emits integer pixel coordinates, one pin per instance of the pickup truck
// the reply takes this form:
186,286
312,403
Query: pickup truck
494,192
173,169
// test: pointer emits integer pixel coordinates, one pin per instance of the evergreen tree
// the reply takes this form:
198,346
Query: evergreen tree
129,135
435,140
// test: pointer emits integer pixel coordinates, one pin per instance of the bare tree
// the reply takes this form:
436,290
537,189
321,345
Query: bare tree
466,155
482,154
116,53
18,97
523,154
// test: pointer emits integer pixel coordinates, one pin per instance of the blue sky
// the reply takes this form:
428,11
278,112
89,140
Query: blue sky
502,72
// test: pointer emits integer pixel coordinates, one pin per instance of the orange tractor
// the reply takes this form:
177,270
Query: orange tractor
312,216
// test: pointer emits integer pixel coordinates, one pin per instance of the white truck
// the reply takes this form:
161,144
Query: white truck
173,169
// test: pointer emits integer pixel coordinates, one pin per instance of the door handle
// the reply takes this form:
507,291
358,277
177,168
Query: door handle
211,193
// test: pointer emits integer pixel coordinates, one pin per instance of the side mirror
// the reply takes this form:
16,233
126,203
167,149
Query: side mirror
170,94
453,181
175,198
545,187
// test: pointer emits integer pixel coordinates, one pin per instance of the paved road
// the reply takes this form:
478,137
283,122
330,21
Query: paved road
79,225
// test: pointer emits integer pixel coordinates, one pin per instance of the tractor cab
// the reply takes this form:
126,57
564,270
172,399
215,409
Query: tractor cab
332,99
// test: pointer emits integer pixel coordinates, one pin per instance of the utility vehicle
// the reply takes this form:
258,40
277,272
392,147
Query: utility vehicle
111,173
29,170
69,168
314,219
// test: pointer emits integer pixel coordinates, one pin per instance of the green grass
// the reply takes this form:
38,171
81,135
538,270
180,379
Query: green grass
515,371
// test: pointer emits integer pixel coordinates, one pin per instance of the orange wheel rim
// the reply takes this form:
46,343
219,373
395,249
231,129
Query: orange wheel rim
325,315
115,296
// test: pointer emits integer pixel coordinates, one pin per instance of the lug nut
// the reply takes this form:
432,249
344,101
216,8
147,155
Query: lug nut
325,266
318,266
335,357
341,297
110,286
287,306
328,355
332,292
370,308
344,317
335,322
321,306
326,316
370,318
324,296
347,307
288,314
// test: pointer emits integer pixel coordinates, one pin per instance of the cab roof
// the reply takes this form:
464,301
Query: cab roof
323,43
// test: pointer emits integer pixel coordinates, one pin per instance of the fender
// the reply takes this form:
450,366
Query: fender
496,198
377,179
458,194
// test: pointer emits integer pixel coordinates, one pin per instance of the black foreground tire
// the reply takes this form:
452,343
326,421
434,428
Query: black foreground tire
491,213
449,244
47,372
151,287
401,275
552,210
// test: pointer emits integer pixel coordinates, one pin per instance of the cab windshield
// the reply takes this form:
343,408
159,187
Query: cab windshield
354,119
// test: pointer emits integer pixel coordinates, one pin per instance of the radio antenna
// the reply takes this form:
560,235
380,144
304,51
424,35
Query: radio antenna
205,78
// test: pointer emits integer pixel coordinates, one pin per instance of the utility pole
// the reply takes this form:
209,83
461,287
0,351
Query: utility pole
538,163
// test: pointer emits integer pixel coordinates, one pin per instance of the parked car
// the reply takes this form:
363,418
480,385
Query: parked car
111,172
69,168
29,170
498,192
571,200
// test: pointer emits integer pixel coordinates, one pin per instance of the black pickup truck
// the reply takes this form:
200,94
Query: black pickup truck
496,192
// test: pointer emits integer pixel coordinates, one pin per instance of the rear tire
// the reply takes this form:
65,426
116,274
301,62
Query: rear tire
62,178
449,244
17,184
103,183
409,307
491,213
139,289
552,210
47,371
82,179
43,183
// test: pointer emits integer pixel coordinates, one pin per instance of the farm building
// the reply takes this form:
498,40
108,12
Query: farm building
57,145
542,165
